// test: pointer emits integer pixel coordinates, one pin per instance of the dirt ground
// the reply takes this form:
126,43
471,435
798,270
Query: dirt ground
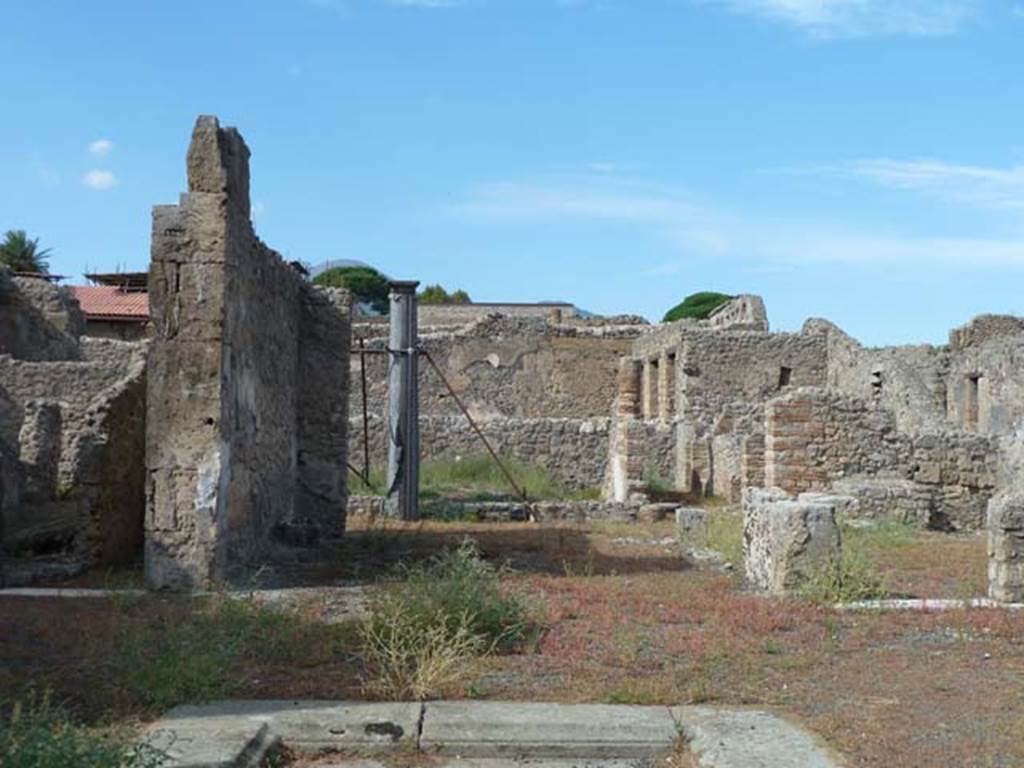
626,619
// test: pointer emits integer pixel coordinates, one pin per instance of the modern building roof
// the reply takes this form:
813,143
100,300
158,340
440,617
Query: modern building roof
107,302
132,281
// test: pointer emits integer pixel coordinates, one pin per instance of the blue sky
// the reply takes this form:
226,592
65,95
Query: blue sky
861,160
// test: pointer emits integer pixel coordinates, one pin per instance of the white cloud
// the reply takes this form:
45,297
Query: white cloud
856,18
101,147
100,180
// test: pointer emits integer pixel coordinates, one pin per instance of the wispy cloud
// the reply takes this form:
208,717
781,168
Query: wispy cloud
47,175
100,180
698,231
669,214
101,147
977,185
857,18
425,3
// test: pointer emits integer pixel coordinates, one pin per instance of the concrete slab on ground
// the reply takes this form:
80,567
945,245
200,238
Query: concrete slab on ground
732,738
480,729
476,734
224,734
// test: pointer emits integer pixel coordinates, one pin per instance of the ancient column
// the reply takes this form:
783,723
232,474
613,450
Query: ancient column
403,404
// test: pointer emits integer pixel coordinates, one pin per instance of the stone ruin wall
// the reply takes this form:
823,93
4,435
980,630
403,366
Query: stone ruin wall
701,397
72,423
248,383
38,319
540,391
820,440
920,433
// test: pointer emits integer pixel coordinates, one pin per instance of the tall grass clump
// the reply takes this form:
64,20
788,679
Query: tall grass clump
424,633
855,578
39,734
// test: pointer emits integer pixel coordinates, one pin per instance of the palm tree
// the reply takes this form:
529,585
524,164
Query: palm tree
23,255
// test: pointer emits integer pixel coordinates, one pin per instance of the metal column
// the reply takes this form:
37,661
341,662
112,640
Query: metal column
403,404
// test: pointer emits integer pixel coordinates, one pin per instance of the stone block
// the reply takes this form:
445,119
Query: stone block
1006,548
692,526
787,542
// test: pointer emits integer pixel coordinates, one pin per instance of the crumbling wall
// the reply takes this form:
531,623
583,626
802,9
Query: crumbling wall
246,356
540,388
53,414
39,320
816,439
573,451
908,381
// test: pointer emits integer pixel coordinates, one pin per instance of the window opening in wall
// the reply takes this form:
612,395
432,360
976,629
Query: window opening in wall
670,393
696,486
653,401
973,386
785,376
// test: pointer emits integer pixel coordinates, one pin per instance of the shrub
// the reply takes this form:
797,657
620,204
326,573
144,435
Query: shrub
436,294
697,306
410,660
366,284
42,735
855,579
421,632
459,585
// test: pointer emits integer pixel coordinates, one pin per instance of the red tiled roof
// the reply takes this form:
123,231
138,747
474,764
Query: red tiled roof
107,302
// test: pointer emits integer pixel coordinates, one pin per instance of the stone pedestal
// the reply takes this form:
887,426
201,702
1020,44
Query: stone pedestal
787,542
1006,548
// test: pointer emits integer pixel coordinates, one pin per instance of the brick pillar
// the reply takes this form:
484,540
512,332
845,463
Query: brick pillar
630,384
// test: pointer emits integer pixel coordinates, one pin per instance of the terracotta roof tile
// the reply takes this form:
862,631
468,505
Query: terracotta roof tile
110,302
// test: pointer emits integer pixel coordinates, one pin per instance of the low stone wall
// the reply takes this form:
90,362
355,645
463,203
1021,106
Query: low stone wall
575,451
816,439
518,511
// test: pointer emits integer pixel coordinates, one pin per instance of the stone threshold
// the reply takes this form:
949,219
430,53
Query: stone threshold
928,604
241,734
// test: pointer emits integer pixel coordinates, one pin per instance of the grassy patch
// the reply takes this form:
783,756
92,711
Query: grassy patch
423,633
477,477
165,662
657,483
725,535
38,734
